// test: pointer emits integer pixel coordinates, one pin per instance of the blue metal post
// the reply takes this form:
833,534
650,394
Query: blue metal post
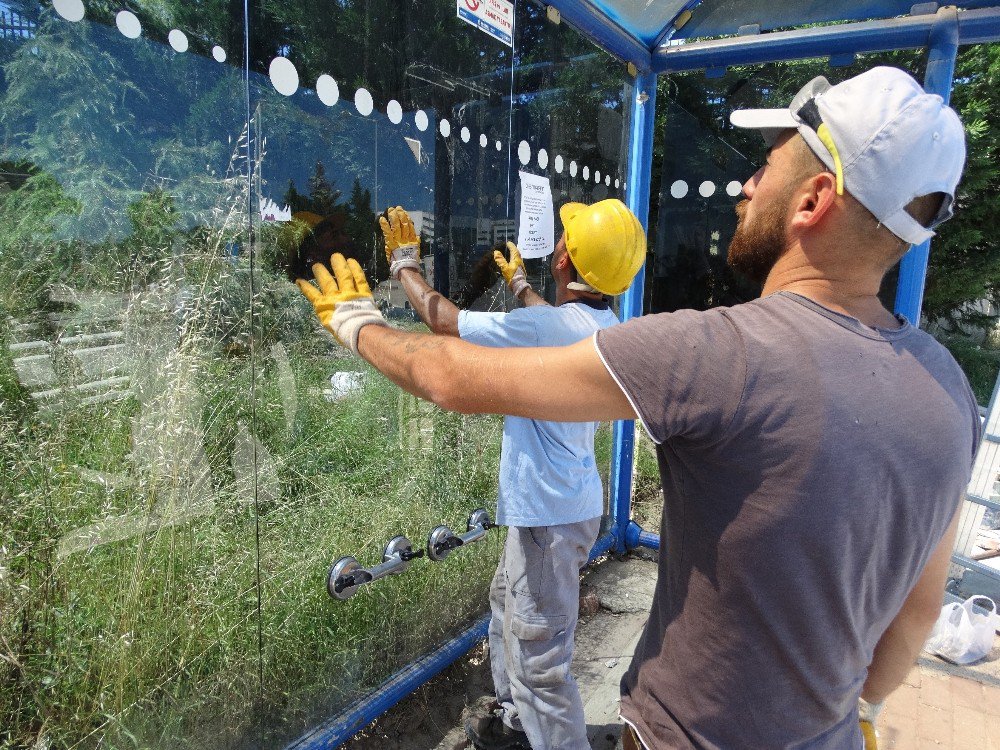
640,159
942,49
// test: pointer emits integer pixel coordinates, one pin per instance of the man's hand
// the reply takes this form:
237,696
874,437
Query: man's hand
402,246
867,716
343,304
513,270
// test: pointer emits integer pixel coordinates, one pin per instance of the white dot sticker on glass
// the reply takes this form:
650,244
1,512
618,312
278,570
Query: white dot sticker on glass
499,146
420,118
284,76
219,54
706,189
586,173
618,183
178,40
327,90
394,110
444,128
465,135
128,24
678,189
363,102
71,10
572,169
597,175
607,180
558,163
523,152
734,188
483,140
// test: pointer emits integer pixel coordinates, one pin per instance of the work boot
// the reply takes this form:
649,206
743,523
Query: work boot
484,726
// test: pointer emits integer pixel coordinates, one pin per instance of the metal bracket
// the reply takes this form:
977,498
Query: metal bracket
346,575
442,540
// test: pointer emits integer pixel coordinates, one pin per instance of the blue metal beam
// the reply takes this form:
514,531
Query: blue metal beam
360,714
941,53
974,26
593,22
640,159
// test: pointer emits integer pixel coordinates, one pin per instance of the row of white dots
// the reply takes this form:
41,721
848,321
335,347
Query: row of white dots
130,26
679,189
285,79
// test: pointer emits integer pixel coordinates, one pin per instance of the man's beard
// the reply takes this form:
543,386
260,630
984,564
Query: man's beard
755,248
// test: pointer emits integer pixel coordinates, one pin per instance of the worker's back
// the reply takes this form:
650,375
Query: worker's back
548,475
810,464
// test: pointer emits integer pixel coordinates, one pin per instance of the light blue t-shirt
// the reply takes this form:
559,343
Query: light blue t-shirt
548,475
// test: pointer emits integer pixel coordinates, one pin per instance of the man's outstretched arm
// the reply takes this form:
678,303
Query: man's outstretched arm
437,311
566,384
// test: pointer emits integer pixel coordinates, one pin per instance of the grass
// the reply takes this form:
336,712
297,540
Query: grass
166,638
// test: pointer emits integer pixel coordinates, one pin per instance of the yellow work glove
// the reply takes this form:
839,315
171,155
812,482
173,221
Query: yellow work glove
867,716
402,246
344,302
512,270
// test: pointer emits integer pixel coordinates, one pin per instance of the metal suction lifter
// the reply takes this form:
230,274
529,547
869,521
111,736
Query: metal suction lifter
443,540
347,576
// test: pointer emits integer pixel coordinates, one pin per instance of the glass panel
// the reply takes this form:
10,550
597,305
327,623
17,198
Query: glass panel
357,109
570,124
184,452
127,556
704,163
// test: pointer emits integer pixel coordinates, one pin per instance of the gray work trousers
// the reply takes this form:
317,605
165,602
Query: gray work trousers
535,602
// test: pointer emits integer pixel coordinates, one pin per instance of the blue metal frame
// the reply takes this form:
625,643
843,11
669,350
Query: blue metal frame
868,36
942,50
640,160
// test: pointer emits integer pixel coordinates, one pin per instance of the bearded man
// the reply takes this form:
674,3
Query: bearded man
813,447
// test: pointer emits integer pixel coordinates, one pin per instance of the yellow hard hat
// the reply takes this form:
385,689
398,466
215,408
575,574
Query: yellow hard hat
606,243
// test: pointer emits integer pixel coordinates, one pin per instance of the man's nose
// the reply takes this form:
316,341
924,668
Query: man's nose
751,185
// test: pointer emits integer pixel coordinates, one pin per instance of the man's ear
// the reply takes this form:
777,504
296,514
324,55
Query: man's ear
562,262
814,199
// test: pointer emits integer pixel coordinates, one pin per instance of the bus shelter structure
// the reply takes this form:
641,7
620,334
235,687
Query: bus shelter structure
669,36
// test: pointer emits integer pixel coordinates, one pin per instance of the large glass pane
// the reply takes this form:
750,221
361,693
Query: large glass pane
357,108
127,554
700,172
184,451
569,123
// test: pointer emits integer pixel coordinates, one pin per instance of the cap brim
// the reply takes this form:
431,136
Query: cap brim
770,122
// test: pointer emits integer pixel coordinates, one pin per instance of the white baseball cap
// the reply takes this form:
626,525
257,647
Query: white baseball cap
886,139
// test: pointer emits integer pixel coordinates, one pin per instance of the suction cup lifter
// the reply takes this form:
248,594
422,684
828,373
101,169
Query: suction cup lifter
443,540
347,576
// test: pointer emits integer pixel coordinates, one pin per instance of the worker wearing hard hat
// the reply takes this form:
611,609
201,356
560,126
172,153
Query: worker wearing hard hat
550,493
814,448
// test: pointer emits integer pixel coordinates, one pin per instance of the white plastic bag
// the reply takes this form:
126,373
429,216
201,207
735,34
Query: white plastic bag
964,632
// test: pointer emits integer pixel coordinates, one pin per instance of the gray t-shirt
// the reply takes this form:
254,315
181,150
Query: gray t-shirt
810,465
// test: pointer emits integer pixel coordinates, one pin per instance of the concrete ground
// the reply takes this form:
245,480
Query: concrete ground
940,706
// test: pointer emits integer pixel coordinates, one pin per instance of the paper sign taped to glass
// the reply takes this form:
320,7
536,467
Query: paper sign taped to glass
536,225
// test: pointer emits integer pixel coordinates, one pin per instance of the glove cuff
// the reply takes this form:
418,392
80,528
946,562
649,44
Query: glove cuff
350,317
518,283
869,711
398,265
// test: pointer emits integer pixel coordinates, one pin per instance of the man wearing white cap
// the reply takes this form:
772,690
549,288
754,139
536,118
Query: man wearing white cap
813,447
